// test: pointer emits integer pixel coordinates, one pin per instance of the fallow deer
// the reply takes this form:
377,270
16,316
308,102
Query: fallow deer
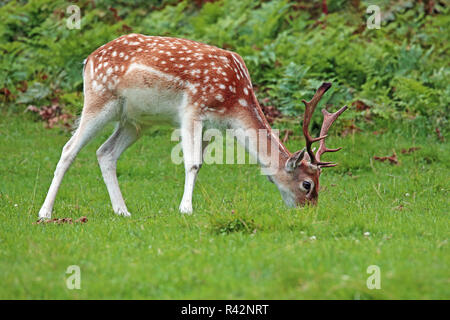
135,77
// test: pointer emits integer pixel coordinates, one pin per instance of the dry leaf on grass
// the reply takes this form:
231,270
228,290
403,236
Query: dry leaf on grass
62,221
270,111
380,131
52,115
360,105
439,135
410,150
392,159
350,129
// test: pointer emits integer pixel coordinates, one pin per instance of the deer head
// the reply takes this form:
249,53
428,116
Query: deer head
298,181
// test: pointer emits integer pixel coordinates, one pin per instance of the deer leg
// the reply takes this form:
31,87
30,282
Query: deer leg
191,141
108,154
89,126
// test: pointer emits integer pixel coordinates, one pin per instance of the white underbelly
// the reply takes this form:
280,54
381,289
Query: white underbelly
148,105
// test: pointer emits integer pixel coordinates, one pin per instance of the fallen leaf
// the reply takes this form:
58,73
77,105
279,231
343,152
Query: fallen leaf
52,115
392,159
360,105
350,129
410,150
61,220
5,91
439,135
377,132
116,15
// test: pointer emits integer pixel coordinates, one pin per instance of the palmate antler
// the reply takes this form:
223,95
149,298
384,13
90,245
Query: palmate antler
328,120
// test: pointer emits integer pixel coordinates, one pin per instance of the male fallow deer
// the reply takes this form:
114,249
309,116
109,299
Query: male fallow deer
135,77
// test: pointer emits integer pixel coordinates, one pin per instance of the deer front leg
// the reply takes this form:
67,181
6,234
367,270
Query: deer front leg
191,141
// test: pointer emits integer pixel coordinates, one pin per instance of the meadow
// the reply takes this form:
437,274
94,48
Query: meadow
241,242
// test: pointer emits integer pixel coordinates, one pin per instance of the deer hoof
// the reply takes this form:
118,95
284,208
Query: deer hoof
123,212
45,214
185,209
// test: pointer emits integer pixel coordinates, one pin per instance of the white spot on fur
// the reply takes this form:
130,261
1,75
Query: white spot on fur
243,103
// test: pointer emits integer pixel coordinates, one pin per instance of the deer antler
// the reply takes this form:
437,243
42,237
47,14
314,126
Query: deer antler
309,110
328,120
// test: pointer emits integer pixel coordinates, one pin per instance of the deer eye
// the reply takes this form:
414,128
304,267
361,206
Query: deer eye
306,185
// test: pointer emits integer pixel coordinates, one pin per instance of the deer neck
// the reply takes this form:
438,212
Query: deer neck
261,141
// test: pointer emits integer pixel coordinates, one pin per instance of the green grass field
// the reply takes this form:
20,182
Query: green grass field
241,242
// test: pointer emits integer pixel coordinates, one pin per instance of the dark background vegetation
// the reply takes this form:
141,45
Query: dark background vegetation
397,73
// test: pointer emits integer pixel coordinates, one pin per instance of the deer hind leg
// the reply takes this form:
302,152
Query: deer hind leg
90,125
108,154
191,142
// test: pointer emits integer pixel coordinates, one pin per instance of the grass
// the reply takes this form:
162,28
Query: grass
241,242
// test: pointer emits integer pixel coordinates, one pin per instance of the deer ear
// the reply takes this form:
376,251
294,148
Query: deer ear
294,160
307,157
